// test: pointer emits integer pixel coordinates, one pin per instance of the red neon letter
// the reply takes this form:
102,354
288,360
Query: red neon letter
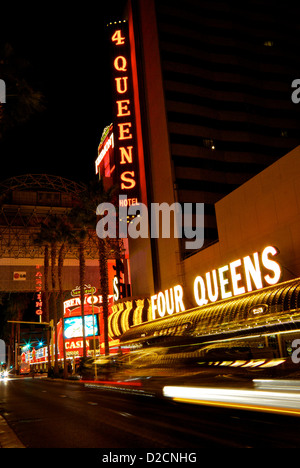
120,63
123,108
124,132
126,154
126,177
118,38
121,89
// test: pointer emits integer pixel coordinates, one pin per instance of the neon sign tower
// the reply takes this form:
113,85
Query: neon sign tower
120,140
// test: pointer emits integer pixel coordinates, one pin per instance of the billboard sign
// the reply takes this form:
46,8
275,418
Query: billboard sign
19,276
73,326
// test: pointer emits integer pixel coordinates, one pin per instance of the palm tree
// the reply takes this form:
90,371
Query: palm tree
56,232
81,243
50,236
104,287
53,255
94,195
78,237
64,235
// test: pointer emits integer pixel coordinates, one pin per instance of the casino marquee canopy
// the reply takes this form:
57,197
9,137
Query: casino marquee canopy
270,310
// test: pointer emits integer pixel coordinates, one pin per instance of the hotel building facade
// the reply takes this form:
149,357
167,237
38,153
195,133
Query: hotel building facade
202,113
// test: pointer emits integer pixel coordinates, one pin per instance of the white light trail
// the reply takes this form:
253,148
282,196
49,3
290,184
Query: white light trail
259,400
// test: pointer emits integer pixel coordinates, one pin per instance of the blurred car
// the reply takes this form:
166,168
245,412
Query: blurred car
103,367
24,368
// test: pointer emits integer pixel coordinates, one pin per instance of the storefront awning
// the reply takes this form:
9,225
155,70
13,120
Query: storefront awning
271,309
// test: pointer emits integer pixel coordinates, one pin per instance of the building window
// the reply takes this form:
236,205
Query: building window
209,143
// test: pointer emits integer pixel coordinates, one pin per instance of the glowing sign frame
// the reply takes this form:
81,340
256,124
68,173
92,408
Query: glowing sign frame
125,140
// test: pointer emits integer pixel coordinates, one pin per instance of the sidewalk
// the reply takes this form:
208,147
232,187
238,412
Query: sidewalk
8,438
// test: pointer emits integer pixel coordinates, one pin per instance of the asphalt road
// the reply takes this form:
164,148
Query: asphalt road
47,413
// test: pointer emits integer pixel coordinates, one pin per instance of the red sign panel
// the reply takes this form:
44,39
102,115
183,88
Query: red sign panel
105,162
125,152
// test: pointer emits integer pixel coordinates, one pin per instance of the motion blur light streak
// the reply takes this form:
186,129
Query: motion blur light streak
256,400
278,385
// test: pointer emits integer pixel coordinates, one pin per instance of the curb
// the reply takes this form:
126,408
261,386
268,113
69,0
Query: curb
8,438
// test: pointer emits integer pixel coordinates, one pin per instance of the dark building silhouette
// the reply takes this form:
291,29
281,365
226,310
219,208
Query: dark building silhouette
212,91
222,90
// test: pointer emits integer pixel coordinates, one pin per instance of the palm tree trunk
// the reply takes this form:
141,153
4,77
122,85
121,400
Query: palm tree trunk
60,285
104,289
54,304
81,282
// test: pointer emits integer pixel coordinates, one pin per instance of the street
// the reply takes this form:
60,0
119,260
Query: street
46,413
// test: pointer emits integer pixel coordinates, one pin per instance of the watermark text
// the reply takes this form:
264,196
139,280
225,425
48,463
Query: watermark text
296,94
161,220
2,352
2,92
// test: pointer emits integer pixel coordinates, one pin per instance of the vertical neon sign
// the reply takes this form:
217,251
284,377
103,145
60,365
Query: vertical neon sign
126,158
38,289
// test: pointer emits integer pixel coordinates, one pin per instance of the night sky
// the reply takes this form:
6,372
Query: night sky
68,62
